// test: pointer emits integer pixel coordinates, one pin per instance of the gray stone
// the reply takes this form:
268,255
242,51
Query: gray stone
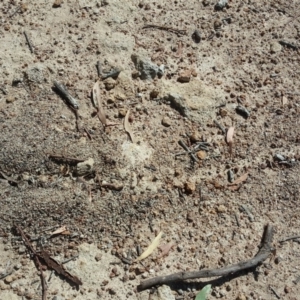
178,103
85,167
148,70
163,293
35,74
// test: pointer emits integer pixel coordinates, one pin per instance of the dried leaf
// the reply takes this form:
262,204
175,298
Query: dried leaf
202,295
234,187
127,126
96,97
165,249
229,138
151,247
59,230
229,135
239,180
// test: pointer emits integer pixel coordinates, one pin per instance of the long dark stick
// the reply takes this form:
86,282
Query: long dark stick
36,261
262,255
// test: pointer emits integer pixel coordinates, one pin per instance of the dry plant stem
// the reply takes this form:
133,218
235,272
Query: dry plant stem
36,261
185,147
261,256
99,69
294,237
174,30
29,42
64,158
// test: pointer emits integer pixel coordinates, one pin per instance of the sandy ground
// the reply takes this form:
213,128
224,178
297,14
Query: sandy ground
115,191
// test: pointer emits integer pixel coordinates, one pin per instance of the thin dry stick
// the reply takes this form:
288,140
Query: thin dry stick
170,29
28,42
36,261
294,237
261,256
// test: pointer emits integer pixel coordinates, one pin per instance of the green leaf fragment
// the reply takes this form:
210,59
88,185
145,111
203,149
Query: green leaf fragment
204,293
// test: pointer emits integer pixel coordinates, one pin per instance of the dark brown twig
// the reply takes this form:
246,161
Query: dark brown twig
36,260
261,256
170,29
29,42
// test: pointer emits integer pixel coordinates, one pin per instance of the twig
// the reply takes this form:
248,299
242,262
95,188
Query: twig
69,259
220,126
3,275
29,42
114,74
170,29
247,211
185,147
294,237
36,261
274,292
99,69
296,280
261,256
17,10
71,160
288,44
65,95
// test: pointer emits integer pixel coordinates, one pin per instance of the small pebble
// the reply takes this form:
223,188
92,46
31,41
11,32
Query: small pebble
221,209
190,187
98,257
201,154
241,296
9,279
166,121
184,76
122,112
179,248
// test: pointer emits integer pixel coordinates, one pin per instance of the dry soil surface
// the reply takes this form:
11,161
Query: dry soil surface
116,191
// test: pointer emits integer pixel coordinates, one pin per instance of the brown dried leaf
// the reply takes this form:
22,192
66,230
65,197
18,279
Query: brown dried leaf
127,126
96,97
165,249
239,180
234,187
151,247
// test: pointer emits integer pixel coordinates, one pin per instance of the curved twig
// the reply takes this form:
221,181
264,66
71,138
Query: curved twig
262,255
